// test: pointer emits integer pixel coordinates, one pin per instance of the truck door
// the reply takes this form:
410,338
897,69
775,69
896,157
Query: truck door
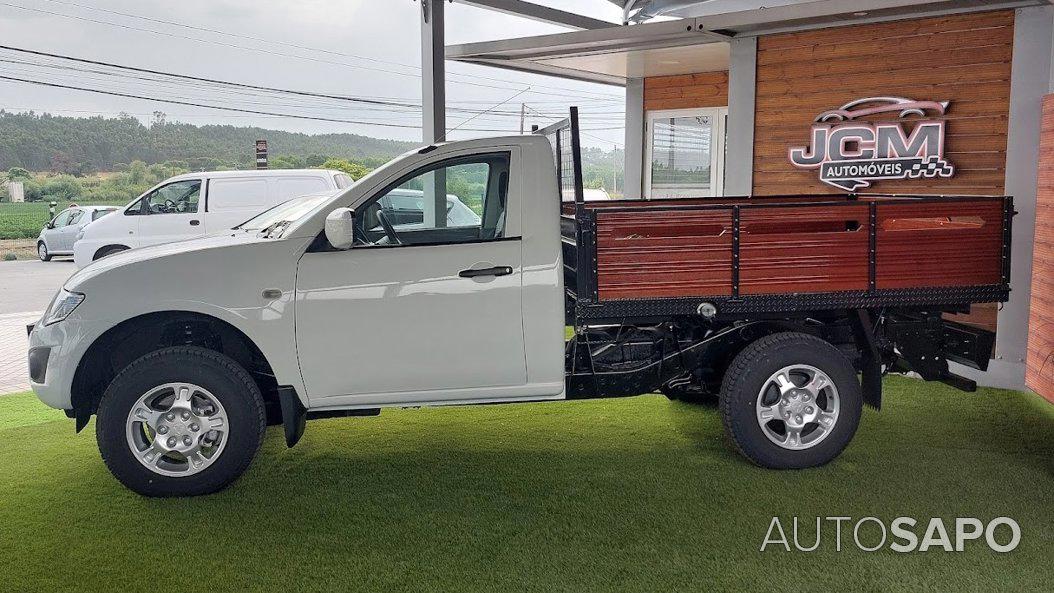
428,308
170,213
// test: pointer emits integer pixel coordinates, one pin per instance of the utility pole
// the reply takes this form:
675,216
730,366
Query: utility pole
614,170
523,116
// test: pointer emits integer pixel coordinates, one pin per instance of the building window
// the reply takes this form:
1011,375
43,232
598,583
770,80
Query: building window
685,153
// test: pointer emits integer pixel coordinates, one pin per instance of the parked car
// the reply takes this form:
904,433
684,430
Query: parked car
590,195
196,204
323,306
405,208
59,233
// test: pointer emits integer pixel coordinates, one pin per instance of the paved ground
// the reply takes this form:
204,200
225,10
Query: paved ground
26,288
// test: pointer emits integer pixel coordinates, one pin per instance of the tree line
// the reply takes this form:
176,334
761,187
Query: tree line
100,159
81,146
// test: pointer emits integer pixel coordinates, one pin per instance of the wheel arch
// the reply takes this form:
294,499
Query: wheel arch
125,342
723,352
95,256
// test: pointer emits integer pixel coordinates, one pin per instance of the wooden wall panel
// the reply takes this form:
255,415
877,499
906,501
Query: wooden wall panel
964,59
689,91
1040,366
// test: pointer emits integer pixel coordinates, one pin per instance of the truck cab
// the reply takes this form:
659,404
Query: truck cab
439,308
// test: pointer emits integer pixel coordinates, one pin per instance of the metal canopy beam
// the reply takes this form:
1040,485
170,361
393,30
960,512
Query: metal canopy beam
522,54
540,13
433,103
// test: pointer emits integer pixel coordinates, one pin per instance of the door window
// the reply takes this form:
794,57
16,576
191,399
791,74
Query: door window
75,217
97,214
472,200
179,197
62,219
685,153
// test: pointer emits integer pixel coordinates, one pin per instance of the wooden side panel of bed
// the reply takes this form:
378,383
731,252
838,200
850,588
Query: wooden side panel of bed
684,248
803,249
664,254
940,244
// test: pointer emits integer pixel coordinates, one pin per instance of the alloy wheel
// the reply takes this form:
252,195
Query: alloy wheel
798,407
177,429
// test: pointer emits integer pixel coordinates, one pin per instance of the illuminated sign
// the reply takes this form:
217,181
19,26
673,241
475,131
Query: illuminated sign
851,154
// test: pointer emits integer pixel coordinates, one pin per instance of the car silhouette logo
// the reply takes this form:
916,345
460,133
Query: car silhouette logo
877,105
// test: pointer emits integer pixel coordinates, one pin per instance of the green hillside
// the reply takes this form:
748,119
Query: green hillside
44,142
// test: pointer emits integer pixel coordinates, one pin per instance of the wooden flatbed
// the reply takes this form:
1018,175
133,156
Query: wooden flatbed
788,253
653,259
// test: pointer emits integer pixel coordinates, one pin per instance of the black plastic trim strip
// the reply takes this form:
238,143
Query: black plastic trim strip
792,303
329,249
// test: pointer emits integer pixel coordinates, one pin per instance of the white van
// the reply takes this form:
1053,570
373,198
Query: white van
196,204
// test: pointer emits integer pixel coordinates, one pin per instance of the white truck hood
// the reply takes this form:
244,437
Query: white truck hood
159,254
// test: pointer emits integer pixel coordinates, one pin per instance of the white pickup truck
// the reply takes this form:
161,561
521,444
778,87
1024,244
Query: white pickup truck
344,303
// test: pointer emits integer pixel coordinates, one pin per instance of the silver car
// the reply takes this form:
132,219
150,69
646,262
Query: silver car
59,233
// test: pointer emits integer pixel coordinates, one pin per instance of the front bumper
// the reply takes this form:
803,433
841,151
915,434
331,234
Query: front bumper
54,352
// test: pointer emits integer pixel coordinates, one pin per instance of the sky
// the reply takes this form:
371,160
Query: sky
343,47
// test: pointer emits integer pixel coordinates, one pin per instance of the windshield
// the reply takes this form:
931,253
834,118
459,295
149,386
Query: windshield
273,222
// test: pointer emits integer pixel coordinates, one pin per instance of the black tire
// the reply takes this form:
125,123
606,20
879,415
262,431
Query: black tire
747,376
216,372
42,251
108,250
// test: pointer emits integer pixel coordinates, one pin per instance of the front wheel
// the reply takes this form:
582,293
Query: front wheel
181,421
791,400
42,251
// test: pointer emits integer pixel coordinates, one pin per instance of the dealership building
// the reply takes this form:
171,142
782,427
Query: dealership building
738,97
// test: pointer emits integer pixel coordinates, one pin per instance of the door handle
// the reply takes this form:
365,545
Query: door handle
476,273
195,222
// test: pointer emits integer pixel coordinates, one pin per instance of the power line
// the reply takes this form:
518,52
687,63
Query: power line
222,108
202,79
583,132
210,81
562,91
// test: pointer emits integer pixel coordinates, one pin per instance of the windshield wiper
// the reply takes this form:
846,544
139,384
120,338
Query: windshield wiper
281,224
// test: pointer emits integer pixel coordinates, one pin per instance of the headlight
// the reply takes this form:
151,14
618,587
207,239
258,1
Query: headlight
80,235
64,304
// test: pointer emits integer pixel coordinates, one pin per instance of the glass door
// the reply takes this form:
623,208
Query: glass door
685,153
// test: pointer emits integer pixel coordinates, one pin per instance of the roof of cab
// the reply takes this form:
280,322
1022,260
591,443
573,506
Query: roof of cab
257,173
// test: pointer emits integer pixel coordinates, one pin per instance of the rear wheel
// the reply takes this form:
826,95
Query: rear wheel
791,400
109,250
181,421
42,251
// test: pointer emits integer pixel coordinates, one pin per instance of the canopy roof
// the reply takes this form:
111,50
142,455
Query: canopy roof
697,42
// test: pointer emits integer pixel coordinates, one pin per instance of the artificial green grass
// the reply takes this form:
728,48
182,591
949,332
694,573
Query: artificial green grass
638,494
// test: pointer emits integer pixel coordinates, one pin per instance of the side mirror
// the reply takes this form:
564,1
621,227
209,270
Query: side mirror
340,228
